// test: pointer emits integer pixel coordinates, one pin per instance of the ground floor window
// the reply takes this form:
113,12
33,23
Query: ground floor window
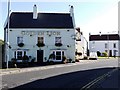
58,54
106,51
19,54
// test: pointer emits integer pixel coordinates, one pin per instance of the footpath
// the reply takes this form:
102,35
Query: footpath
28,69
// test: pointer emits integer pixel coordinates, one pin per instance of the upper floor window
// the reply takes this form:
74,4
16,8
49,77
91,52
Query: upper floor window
93,42
78,36
19,40
114,45
40,40
58,40
106,45
106,51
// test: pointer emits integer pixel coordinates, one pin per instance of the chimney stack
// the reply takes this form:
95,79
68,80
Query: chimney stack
71,11
35,12
72,15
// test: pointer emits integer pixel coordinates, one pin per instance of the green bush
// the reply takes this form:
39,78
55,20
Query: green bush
104,54
1,42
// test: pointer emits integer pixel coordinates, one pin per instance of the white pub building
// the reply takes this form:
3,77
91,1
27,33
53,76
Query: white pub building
38,35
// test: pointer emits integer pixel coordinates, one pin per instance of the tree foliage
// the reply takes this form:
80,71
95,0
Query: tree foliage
1,42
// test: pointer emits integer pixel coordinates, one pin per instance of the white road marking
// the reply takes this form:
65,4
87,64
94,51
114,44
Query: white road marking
90,84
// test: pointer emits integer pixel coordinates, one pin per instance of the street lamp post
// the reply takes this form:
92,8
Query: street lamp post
108,41
108,44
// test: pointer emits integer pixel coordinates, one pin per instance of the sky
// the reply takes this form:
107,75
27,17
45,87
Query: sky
92,16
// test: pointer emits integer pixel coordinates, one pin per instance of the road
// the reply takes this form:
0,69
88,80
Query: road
90,74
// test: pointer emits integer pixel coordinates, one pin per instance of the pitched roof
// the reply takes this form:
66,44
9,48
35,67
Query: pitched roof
44,20
104,37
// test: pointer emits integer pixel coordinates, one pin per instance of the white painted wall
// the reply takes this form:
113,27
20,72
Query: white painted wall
100,46
31,41
81,46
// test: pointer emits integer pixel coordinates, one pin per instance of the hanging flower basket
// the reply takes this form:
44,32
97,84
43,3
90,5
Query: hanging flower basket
58,44
21,44
40,44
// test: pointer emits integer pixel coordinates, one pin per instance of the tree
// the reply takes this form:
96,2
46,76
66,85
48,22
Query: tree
1,42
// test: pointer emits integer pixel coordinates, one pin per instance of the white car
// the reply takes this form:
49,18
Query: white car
93,55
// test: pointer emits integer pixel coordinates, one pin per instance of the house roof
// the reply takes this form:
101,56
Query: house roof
44,20
104,37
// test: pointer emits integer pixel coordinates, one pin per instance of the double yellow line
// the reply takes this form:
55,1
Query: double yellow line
92,83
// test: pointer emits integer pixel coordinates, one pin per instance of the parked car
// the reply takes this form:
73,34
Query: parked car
93,55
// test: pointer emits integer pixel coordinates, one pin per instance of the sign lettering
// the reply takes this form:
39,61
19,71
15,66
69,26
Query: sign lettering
40,32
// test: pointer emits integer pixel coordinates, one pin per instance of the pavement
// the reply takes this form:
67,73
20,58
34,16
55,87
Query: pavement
28,69
20,70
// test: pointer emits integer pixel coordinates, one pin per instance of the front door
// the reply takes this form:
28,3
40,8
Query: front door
114,52
110,53
39,56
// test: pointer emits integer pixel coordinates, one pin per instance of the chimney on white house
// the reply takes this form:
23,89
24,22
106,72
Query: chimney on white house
71,11
35,12
72,15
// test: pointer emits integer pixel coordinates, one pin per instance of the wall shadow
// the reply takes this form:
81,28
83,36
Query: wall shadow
73,80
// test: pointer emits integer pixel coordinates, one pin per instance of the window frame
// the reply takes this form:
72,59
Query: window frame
15,53
106,45
19,39
62,53
78,36
40,39
58,40
114,45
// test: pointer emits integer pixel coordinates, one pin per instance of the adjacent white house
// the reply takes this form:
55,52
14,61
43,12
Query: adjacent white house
105,43
39,35
81,45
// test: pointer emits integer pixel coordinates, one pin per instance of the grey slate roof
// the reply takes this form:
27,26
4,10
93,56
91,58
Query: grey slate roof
104,37
44,20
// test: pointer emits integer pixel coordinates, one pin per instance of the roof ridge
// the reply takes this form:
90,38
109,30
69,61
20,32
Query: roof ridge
43,12
104,34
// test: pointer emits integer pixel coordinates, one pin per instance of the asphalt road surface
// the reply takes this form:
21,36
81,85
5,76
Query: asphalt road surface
96,74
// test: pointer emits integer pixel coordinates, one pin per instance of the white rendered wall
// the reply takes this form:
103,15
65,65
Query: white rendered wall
31,41
100,46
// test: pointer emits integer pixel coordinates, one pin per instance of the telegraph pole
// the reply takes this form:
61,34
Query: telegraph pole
8,34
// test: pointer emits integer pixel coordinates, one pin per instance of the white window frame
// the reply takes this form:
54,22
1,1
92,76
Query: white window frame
78,36
41,40
17,53
19,39
58,40
114,45
106,45
55,51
